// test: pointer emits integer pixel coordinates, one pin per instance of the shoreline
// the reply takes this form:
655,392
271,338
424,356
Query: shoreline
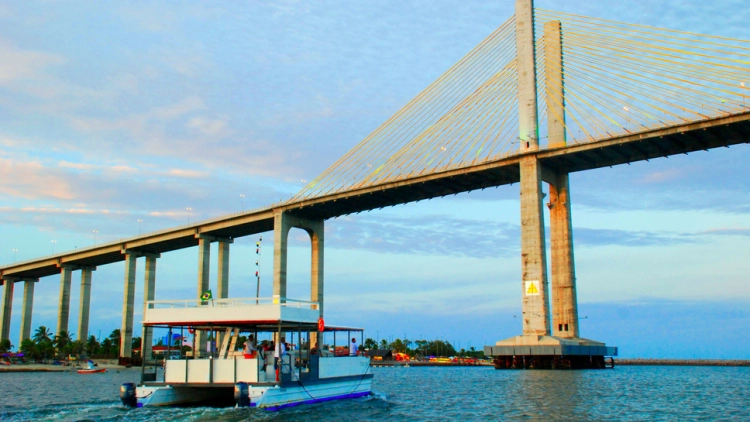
48,367
618,362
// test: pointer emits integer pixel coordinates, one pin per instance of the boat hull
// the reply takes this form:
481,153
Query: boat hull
263,397
277,398
91,371
183,396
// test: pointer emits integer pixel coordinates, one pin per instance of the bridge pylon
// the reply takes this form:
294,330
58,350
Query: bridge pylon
537,347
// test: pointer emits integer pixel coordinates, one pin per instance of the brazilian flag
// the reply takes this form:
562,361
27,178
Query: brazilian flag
206,296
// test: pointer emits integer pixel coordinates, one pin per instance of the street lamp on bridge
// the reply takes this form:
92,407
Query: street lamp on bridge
742,84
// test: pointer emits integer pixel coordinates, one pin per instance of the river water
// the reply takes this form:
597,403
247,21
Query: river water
426,393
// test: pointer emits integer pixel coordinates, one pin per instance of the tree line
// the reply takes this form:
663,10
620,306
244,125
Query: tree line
43,345
422,348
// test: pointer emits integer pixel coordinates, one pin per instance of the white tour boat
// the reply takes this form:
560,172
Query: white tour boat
216,374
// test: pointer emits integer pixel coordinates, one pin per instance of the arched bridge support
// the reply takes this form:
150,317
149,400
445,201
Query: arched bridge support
283,222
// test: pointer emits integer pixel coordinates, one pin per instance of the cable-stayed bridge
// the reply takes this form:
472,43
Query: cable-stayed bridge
544,95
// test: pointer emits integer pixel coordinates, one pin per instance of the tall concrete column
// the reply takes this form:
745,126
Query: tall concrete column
149,287
7,308
564,296
28,305
555,84
527,100
128,302
222,290
63,307
281,227
317,240
533,250
85,300
204,266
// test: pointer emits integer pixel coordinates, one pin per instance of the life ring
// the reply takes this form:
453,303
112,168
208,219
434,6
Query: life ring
191,330
321,325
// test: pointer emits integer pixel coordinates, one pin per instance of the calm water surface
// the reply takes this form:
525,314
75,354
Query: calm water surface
625,393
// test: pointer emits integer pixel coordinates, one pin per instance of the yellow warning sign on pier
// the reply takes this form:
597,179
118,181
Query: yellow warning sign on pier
531,288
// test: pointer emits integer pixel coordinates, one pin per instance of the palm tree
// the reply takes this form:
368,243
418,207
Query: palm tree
92,345
107,346
5,345
28,347
77,347
115,337
42,334
370,344
62,339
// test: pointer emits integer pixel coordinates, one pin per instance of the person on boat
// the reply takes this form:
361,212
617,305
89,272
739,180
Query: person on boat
353,347
250,350
278,353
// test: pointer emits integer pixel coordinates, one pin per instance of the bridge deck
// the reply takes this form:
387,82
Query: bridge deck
679,139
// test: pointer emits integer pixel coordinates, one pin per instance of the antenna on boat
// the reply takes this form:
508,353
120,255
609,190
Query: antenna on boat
257,269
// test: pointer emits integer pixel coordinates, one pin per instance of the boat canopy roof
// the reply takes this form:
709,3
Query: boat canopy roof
260,327
248,314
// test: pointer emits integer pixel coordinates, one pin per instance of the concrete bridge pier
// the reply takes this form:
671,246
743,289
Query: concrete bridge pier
128,301
63,307
564,296
149,288
222,289
26,308
204,268
535,309
8,284
126,327
84,304
283,222
7,307
536,348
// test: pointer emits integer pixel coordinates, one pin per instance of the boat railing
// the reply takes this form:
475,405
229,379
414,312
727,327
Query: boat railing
231,303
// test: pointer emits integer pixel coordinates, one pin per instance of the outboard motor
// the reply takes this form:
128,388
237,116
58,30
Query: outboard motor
127,394
241,394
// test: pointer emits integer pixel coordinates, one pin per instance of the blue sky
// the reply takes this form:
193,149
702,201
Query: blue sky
110,113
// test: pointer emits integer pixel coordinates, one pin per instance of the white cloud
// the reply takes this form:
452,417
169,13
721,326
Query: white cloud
23,64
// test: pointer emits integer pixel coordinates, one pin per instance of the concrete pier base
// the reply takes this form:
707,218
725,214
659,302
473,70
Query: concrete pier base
549,352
